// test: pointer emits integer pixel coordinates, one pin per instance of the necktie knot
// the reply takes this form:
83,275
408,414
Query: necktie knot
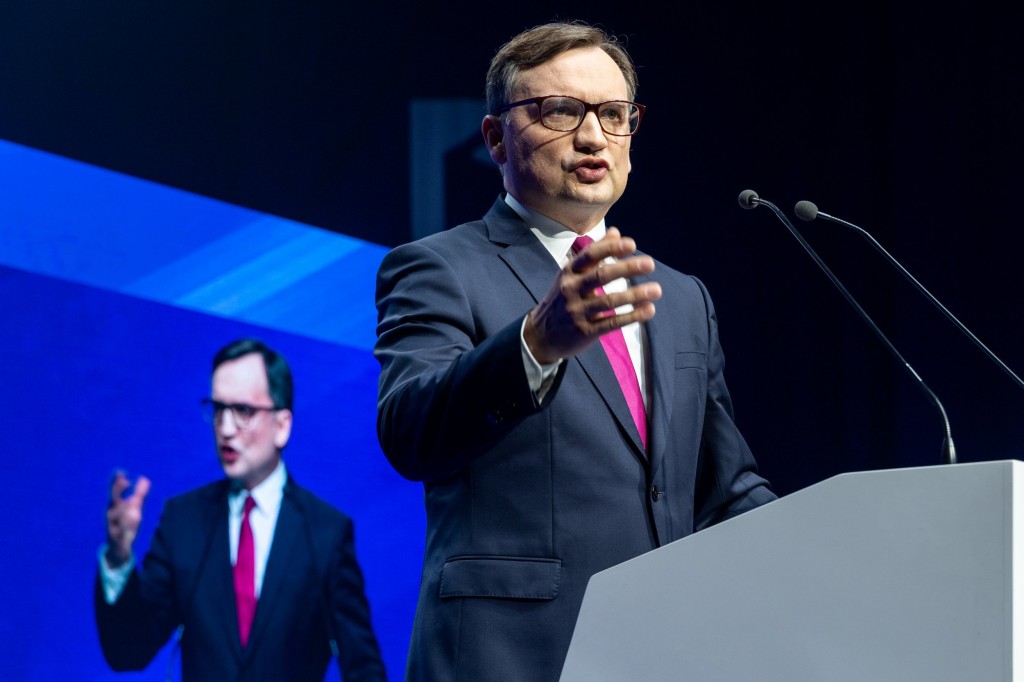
581,243
250,504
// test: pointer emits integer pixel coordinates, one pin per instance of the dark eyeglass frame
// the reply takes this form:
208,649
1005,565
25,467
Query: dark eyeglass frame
242,413
587,108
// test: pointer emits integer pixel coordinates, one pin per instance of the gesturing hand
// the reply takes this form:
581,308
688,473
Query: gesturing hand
573,314
124,515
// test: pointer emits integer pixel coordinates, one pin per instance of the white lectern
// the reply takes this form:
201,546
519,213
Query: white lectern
905,575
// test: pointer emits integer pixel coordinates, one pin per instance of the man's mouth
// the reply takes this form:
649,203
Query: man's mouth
590,172
591,163
590,169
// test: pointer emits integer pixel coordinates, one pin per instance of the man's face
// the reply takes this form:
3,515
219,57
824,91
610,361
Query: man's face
573,177
248,455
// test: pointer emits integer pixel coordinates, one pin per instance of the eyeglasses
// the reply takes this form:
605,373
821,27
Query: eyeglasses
565,114
243,414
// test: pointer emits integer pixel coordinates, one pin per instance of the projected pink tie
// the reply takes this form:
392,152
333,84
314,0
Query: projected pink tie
615,348
245,575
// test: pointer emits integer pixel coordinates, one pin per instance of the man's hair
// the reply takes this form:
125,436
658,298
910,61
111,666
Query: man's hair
279,375
542,43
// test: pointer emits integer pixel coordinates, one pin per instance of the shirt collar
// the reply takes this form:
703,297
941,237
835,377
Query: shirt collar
555,236
267,494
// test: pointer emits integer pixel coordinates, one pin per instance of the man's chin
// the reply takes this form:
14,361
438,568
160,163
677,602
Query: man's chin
596,194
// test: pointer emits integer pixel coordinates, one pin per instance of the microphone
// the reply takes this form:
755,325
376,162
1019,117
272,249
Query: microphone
749,199
805,210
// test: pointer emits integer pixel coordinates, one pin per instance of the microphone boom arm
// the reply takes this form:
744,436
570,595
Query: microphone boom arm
903,271
749,199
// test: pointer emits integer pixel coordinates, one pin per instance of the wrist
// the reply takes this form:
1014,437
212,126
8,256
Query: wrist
114,557
532,339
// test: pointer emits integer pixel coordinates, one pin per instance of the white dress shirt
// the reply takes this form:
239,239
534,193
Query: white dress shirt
262,518
558,241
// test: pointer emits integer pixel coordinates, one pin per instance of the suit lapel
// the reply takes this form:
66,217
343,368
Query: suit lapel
598,368
536,269
217,598
661,376
521,251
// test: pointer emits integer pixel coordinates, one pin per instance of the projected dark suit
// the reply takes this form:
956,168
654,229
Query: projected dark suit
311,575
525,502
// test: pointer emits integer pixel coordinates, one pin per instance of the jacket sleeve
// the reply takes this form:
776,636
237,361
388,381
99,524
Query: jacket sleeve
358,650
135,627
447,392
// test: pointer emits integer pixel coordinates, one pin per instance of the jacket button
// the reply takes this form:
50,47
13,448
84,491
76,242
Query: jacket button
655,493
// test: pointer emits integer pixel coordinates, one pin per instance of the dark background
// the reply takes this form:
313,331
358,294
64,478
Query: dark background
904,118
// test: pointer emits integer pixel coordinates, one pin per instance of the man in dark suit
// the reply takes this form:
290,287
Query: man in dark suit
258,576
558,425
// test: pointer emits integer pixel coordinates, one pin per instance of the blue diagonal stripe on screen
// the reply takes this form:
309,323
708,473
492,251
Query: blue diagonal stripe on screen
244,267
77,222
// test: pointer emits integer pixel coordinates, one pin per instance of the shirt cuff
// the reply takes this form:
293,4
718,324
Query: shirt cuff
114,579
540,377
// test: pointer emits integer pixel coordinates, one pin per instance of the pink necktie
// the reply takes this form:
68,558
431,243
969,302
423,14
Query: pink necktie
245,575
615,348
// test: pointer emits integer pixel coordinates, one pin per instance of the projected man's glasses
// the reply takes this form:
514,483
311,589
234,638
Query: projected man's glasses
242,413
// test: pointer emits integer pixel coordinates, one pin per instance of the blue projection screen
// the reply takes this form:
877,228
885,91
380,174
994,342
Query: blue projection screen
115,293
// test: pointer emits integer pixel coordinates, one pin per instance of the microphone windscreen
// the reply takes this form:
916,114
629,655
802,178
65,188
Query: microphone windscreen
805,210
748,198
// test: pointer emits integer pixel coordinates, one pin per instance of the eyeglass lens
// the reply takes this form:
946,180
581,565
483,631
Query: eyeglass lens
565,114
241,413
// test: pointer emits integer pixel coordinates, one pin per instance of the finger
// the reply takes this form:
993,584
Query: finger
610,246
118,485
634,296
598,308
602,325
583,261
606,314
626,268
141,490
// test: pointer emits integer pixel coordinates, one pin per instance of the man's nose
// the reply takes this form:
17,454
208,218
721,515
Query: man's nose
226,425
590,133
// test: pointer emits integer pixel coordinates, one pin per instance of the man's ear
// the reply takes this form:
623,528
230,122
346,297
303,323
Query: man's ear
282,427
494,137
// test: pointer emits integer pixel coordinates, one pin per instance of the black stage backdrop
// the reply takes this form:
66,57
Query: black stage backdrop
904,118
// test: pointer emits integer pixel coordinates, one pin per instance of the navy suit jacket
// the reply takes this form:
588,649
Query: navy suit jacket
525,502
311,574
